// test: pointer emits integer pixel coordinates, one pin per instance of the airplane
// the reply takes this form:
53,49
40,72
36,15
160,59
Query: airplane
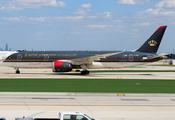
65,61
5,54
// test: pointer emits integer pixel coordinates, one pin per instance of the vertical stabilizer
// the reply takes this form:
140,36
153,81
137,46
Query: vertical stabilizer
152,43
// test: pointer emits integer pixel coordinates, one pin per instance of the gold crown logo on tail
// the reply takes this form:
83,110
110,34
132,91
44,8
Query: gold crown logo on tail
152,43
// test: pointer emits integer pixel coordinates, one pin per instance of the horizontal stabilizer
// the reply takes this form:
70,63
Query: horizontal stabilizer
161,55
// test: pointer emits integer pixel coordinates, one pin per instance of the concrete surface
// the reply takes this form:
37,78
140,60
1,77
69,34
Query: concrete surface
99,106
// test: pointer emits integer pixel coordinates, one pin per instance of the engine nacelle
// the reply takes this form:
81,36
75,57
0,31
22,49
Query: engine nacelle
61,66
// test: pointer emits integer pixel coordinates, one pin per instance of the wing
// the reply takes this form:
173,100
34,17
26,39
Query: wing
89,60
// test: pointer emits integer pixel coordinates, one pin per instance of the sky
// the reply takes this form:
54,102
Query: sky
85,24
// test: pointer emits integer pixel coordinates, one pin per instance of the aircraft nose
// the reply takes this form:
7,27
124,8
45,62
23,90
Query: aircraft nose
5,63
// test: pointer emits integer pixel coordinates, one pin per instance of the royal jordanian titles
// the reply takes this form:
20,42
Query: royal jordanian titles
65,61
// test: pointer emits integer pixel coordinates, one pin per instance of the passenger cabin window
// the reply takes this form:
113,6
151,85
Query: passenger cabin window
74,117
123,57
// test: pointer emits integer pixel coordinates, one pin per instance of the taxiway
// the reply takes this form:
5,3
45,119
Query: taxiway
100,106
6,72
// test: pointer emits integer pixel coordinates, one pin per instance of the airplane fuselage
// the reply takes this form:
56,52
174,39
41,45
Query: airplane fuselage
44,59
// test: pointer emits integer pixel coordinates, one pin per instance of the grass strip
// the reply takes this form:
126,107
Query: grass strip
132,71
88,85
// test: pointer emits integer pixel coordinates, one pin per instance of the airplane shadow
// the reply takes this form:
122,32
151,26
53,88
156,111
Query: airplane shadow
79,74
94,74
74,74
61,73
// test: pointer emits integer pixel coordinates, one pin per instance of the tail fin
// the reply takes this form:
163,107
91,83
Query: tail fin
152,43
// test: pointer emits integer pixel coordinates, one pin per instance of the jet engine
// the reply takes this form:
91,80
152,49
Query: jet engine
61,66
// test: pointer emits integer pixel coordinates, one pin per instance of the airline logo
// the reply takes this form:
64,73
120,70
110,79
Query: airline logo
152,43
25,55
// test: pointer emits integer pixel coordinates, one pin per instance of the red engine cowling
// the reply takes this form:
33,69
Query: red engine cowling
61,66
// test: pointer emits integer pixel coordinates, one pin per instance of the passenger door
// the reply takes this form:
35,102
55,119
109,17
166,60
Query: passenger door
19,57
46,57
130,57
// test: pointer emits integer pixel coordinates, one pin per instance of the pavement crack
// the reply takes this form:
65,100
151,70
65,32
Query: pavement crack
85,107
24,102
33,115
27,105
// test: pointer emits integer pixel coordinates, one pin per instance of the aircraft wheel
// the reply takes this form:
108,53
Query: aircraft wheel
85,72
17,72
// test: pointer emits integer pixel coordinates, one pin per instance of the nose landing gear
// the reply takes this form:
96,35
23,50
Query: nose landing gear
17,71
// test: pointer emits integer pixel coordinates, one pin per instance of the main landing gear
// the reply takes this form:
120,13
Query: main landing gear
17,71
85,72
